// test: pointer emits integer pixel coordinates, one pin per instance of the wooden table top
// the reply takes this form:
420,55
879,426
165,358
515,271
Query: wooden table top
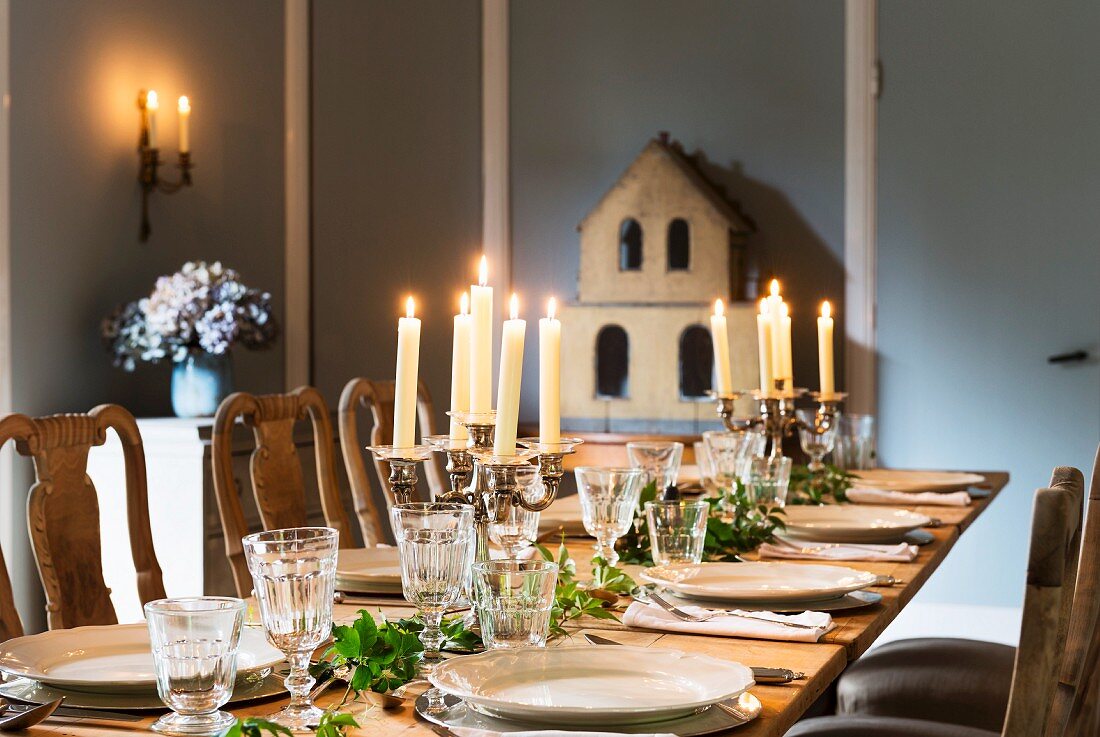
822,662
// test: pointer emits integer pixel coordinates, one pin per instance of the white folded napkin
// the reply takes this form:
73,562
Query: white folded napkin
528,553
471,732
908,498
653,617
796,549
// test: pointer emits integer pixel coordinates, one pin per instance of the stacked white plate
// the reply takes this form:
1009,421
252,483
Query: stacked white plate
369,570
892,479
758,583
850,523
590,686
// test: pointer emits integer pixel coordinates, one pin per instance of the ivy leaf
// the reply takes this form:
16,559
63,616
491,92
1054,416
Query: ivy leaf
345,641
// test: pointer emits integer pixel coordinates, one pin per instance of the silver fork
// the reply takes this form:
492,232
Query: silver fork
680,614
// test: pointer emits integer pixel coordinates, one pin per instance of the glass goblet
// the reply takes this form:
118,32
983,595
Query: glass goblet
436,542
730,451
816,435
609,501
195,643
659,459
520,527
294,574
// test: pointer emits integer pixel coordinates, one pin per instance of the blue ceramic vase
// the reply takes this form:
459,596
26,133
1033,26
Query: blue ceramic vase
199,383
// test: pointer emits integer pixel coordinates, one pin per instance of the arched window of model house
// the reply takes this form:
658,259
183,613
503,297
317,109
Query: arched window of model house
612,362
679,245
630,245
696,362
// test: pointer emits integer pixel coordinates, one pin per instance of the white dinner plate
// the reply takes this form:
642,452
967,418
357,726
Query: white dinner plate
114,657
758,582
893,479
369,570
840,523
586,685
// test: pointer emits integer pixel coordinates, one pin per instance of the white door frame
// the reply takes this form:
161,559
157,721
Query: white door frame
298,273
496,202
9,510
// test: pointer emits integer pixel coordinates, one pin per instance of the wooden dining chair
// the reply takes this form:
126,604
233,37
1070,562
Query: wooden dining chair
934,700
63,512
1076,708
278,485
10,624
379,397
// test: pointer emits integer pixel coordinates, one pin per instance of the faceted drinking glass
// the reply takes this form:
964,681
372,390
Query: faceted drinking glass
294,573
195,644
513,600
766,480
609,499
520,527
855,442
816,435
436,541
659,459
677,530
729,453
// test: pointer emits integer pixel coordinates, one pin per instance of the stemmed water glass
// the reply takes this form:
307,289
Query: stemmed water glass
609,501
855,448
729,453
436,542
520,527
816,435
195,643
660,459
294,574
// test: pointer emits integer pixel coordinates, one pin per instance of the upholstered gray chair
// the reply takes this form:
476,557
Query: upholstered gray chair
965,688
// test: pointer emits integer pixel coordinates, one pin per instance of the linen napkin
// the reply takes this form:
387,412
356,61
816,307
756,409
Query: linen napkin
528,553
653,617
782,548
471,732
908,498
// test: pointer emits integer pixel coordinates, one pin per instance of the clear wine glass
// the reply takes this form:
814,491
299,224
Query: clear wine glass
436,541
520,527
816,435
294,574
660,459
609,501
729,453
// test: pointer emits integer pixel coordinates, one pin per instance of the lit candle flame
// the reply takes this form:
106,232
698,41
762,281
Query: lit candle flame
514,306
719,308
483,272
464,303
409,306
775,287
184,104
826,309
551,308
152,102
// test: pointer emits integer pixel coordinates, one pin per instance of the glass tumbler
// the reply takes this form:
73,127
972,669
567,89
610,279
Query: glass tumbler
766,480
294,573
729,453
195,644
855,442
659,459
520,527
436,541
609,501
513,600
816,435
677,530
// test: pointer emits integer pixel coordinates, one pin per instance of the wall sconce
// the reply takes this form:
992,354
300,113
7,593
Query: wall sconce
149,153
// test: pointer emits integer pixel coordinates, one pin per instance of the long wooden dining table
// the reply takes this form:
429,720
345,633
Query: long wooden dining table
821,662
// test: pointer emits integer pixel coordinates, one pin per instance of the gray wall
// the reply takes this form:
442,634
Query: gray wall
758,87
76,70
397,182
989,258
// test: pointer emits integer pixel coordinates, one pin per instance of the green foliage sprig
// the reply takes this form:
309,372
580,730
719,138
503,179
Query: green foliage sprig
807,487
255,727
574,599
370,656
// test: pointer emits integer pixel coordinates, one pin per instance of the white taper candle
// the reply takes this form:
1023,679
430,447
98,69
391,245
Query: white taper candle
508,383
404,395
550,376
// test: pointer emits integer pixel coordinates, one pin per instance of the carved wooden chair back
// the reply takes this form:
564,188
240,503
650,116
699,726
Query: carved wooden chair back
278,484
1076,710
379,396
63,512
1048,597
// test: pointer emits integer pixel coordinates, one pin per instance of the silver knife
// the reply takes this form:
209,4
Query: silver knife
71,712
760,675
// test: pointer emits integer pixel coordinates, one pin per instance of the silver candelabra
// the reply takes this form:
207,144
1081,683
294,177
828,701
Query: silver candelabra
776,412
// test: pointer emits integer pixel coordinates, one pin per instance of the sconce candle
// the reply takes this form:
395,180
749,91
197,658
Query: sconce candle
550,375
787,367
764,345
185,124
720,336
152,104
408,360
508,383
481,341
460,368
825,351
